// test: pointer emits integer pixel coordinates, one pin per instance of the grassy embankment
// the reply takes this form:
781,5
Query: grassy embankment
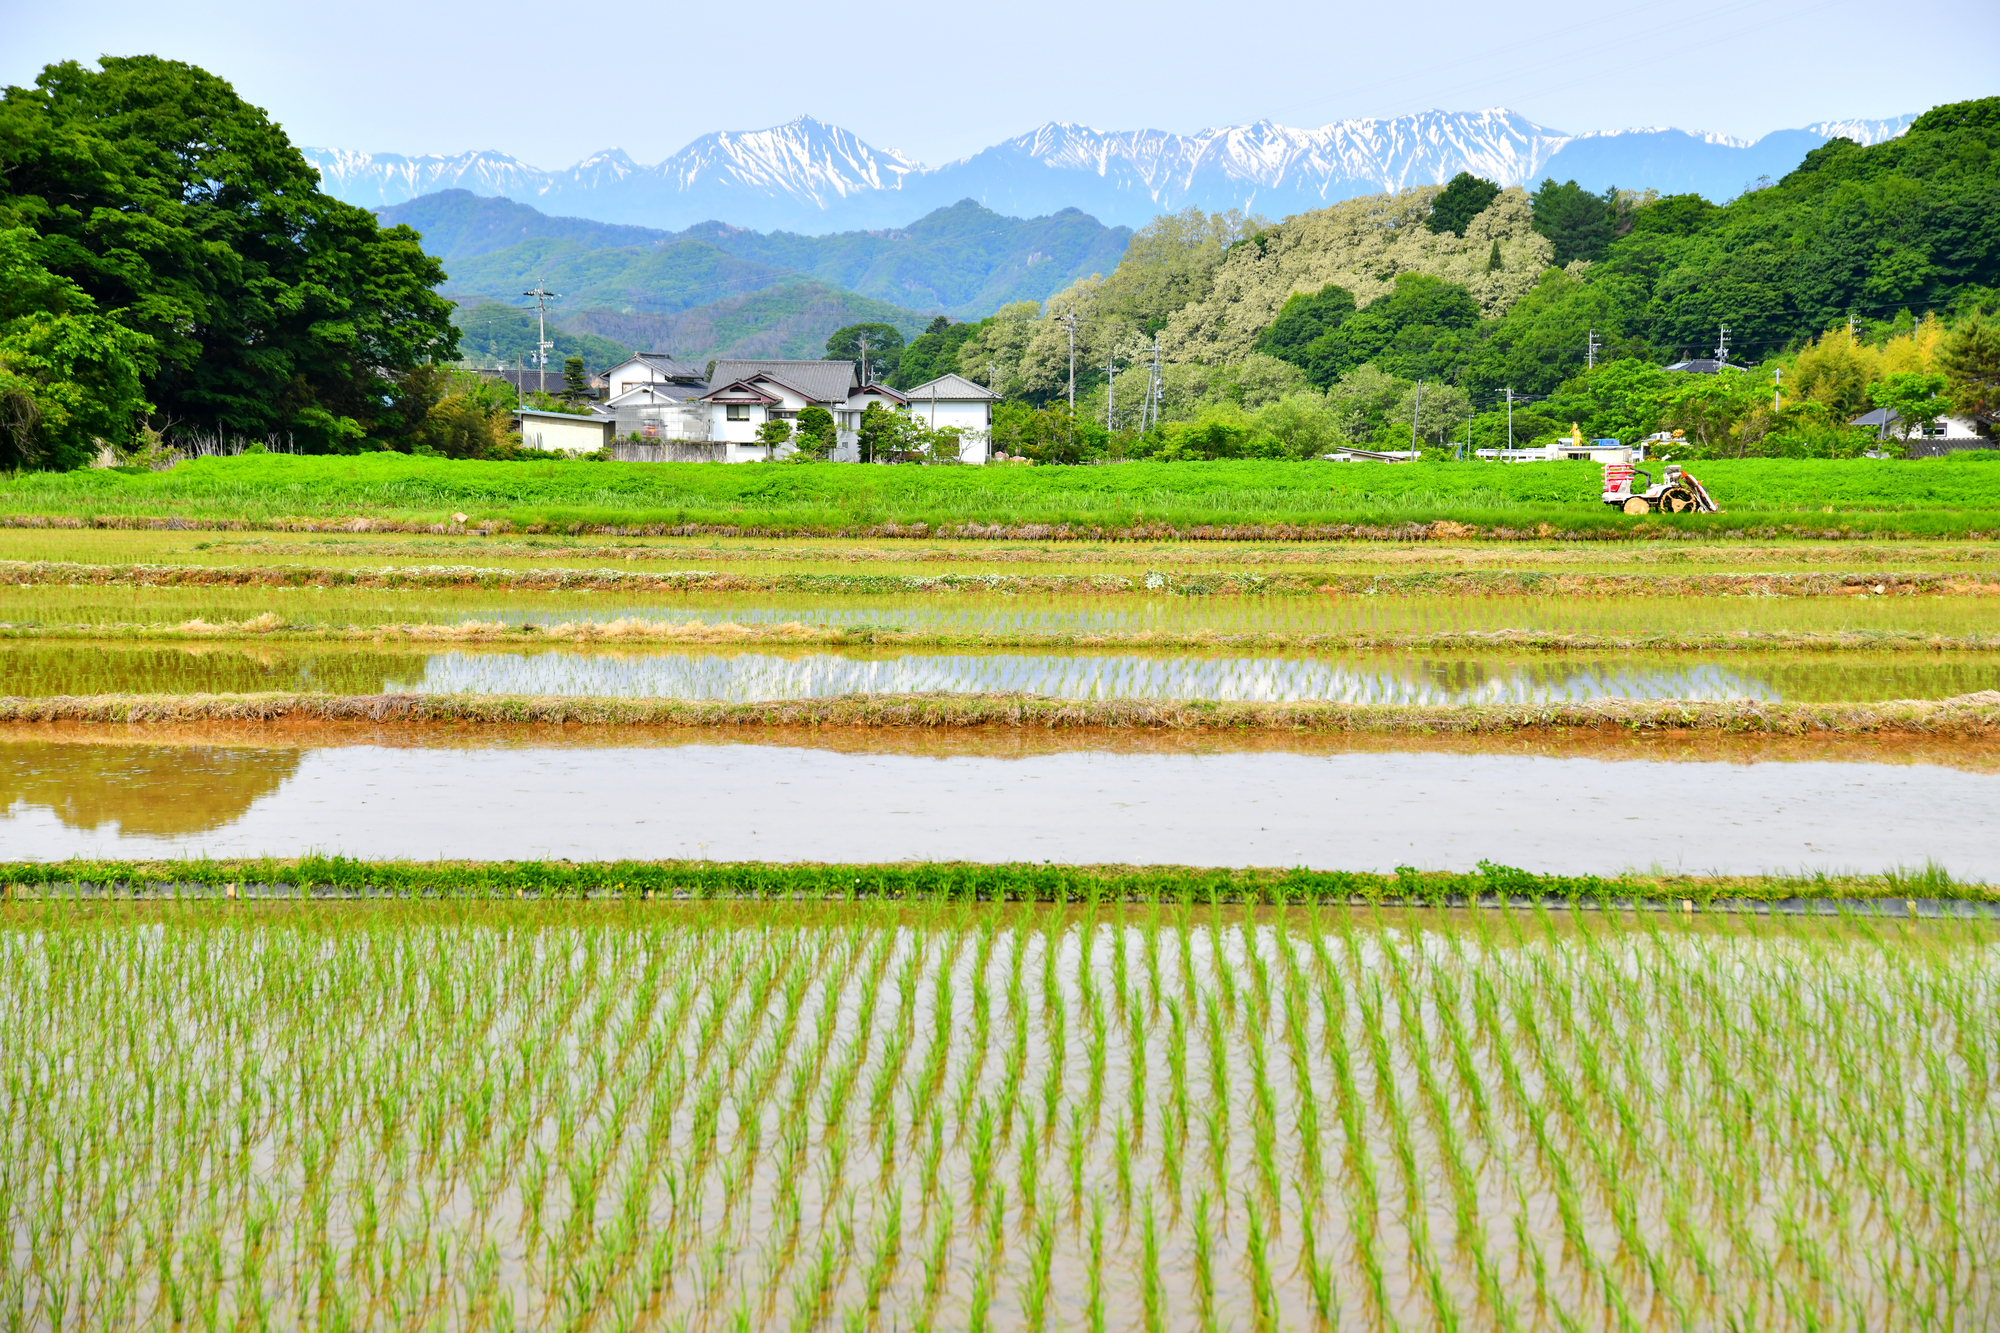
961,1115
1969,716
1936,498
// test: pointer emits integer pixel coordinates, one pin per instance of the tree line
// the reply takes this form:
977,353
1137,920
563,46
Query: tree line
1548,310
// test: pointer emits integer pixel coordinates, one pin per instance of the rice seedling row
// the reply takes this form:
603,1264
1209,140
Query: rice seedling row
41,669
1489,583
1491,885
1170,1116
950,618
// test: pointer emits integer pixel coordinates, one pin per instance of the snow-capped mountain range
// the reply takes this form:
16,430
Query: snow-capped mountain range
810,176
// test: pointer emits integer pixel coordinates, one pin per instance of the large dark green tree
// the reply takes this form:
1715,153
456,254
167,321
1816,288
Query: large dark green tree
189,219
884,352
1304,317
1422,329
1465,198
932,353
1579,224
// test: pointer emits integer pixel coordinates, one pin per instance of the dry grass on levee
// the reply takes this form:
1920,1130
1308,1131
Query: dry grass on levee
964,1117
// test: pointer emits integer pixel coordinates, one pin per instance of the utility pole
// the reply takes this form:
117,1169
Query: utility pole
542,343
1111,392
1590,347
1415,413
864,360
1510,417
1777,386
1469,454
1722,346
1155,390
1068,320
520,382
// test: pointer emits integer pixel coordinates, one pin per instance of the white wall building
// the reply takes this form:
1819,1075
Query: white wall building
749,393
953,400
678,378
563,433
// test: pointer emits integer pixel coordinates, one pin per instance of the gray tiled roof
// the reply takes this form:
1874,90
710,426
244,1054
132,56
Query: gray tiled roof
950,386
663,363
822,381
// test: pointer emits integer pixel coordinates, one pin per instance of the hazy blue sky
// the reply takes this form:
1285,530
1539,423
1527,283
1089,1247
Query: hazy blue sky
550,83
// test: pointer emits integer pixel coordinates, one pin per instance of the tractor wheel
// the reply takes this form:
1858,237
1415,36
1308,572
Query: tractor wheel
1677,500
1637,505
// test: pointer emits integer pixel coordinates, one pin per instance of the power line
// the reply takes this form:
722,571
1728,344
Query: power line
542,343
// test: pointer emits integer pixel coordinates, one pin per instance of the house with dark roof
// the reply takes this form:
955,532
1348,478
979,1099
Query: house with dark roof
749,393
1929,439
657,369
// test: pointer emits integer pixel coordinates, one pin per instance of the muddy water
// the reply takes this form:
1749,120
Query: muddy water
785,803
41,670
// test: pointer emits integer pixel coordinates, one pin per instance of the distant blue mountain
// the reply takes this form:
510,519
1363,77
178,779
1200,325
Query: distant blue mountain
811,177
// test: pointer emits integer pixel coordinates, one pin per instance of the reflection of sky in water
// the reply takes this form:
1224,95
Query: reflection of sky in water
749,677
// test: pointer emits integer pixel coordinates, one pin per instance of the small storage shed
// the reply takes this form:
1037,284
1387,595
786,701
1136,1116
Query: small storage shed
562,432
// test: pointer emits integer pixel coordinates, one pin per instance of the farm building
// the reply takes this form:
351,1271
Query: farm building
563,433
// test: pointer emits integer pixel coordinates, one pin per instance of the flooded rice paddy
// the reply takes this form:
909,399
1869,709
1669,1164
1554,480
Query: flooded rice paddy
722,1117
1019,616
29,669
692,797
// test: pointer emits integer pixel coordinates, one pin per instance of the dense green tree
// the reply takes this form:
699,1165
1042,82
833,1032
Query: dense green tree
1304,317
1465,198
1917,399
70,378
1544,338
882,354
773,434
189,218
816,433
1580,225
1169,263
1421,330
576,380
932,353
1905,224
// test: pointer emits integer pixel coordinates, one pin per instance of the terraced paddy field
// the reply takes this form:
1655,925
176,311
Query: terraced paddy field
1132,558
1133,1115
45,669
921,982
947,618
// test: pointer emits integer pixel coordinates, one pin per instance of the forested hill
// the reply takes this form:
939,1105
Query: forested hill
964,260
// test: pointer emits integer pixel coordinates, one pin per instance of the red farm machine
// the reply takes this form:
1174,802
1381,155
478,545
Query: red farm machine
1677,492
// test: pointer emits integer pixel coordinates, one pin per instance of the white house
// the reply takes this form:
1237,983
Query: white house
1952,433
562,433
953,400
654,368
750,393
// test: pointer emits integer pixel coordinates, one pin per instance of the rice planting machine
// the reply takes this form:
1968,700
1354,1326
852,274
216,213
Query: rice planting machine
1677,491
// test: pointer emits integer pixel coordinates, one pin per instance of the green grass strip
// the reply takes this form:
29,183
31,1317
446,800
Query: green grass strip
1970,715
928,881
1497,583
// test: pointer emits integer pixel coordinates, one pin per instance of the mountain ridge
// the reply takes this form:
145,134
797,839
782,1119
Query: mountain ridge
963,259
808,174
